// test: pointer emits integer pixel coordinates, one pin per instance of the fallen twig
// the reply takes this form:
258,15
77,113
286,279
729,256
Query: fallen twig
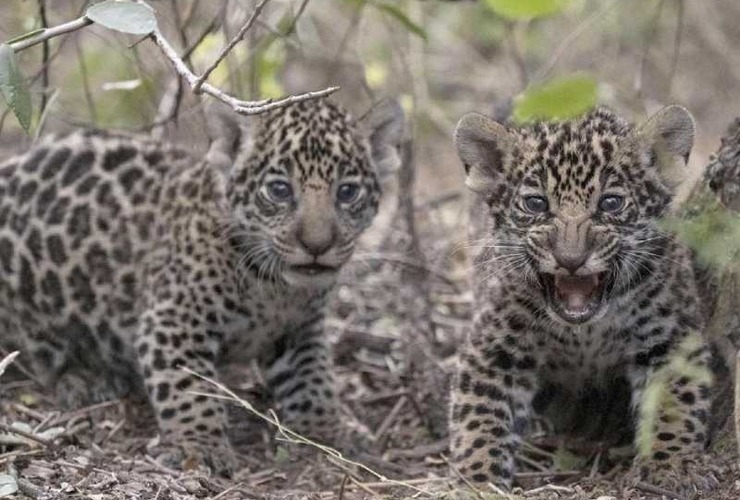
37,439
548,487
420,451
288,434
12,455
5,362
390,418
65,418
657,490
239,36
29,489
548,473
462,478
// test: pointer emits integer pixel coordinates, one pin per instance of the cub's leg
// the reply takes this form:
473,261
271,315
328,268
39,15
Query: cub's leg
174,335
302,381
69,360
673,402
491,397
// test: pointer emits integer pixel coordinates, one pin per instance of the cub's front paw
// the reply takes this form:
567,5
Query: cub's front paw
193,456
354,439
75,389
684,475
345,435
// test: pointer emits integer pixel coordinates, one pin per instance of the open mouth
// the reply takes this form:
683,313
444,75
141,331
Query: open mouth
575,298
313,269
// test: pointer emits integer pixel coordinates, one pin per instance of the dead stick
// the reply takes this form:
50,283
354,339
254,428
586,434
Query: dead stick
656,490
27,435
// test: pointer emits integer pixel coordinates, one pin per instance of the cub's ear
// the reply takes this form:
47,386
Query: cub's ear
669,135
482,145
230,135
383,126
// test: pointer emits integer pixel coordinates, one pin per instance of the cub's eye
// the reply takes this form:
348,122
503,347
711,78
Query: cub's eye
279,191
536,204
611,203
348,192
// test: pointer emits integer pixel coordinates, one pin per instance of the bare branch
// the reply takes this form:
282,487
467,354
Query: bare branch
86,83
50,33
199,39
238,105
297,16
199,82
44,57
278,33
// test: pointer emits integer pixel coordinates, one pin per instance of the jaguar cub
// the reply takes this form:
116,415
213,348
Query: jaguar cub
579,288
126,259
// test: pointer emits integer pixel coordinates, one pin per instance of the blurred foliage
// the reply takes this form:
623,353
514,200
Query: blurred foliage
395,10
711,230
119,105
269,64
524,10
558,99
486,29
123,15
564,459
260,63
399,15
475,55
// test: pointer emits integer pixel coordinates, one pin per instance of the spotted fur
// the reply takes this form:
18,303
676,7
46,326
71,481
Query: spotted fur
124,260
574,294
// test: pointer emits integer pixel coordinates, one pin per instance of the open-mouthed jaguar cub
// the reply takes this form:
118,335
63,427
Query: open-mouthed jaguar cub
125,259
578,288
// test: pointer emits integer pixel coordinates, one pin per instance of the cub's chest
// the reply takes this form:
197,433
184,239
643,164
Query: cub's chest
265,316
583,354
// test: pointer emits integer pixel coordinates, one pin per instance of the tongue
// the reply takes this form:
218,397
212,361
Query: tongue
576,291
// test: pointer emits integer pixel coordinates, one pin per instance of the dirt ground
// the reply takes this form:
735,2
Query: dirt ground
103,452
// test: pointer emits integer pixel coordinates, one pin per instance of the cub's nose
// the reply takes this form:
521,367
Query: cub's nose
570,261
316,241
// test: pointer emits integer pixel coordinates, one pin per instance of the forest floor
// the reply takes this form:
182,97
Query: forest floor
102,452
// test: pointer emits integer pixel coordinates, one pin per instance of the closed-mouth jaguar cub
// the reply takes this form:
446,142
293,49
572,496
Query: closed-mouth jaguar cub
578,287
125,259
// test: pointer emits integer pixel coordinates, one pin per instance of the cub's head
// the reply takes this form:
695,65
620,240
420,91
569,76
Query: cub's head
574,203
304,183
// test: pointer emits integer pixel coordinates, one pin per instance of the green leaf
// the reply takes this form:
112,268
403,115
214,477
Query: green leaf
523,10
402,18
558,99
124,16
13,87
282,455
565,459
